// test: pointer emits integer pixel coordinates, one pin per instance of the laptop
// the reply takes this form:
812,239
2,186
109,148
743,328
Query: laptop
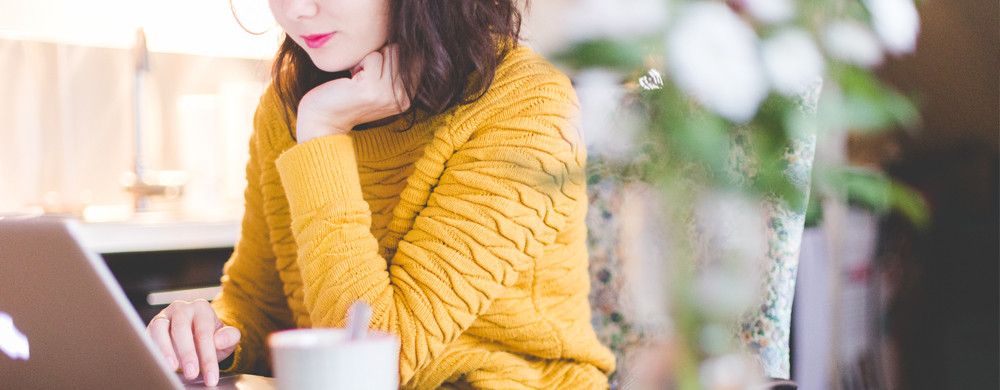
65,322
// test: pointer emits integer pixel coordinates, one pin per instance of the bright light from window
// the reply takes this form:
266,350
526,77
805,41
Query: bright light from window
177,26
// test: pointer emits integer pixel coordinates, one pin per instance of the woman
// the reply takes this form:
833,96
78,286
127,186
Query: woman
412,155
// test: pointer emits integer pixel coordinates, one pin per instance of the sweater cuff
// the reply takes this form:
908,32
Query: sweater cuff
319,172
231,364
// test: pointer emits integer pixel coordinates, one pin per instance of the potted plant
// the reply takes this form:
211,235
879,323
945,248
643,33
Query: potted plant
725,106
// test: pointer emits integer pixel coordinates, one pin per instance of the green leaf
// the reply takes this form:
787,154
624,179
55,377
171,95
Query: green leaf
910,204
902,109
868,105
603,53
814,211
702,139
879,193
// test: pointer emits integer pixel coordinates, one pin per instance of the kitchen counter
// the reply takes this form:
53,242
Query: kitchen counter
124,237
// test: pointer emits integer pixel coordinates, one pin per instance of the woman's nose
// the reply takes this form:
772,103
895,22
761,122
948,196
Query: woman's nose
301,9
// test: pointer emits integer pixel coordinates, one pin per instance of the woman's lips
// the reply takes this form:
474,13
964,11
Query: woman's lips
317,40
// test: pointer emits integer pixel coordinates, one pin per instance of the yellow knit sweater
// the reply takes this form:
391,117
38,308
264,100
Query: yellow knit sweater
465,234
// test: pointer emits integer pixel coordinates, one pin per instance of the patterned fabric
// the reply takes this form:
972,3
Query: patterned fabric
611,317
763,331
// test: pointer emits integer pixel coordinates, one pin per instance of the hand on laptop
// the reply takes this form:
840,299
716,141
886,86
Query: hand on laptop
190,335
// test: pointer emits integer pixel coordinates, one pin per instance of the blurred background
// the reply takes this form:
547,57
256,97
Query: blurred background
847,217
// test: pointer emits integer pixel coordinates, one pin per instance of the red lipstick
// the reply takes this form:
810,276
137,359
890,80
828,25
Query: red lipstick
317,40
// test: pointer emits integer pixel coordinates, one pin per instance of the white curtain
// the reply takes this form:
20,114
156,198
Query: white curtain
66,121
66,92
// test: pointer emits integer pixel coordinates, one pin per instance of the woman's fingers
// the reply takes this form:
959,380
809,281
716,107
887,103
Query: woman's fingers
372,63
390,67
159,331
183,338
388,58
203,325
226,340
186,334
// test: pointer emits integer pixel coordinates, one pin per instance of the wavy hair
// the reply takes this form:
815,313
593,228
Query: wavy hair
449,51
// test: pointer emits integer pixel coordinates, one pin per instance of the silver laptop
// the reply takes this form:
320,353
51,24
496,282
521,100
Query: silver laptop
65,322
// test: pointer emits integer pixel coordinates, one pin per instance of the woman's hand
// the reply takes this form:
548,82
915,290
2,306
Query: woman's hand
190,335
374,91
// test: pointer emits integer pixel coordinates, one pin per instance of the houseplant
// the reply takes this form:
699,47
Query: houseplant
734,101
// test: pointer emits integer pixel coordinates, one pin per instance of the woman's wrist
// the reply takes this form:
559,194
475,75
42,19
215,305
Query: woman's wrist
308,127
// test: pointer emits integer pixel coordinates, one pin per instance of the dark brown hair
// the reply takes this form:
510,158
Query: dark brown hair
449,51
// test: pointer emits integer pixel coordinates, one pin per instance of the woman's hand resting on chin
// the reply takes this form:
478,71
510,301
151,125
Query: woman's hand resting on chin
375,91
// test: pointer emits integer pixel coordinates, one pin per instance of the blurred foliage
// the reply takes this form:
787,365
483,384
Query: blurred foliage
696,137
604,53
874,191
687,149
868,105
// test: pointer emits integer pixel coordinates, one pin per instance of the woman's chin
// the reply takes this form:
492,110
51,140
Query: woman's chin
331,66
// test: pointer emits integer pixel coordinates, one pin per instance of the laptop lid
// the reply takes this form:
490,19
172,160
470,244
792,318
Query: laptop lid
64,320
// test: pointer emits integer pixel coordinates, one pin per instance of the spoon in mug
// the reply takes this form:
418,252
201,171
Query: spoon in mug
358,318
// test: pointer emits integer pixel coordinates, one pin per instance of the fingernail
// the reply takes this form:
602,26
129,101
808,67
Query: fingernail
173,363
211,379
228,338
190,371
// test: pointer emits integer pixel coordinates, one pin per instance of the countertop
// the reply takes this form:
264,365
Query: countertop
136,236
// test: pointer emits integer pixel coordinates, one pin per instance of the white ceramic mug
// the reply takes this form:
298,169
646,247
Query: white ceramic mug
305,359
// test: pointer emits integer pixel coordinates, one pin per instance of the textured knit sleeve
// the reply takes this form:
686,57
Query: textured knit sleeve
500,200
252,299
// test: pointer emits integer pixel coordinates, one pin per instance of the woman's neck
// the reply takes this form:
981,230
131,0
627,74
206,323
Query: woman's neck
378,123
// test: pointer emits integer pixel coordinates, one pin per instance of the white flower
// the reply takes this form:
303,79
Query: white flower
897,24
643,226
713,56
589,19
725,294
730,372
809,99
608,129
852,42
792,61
732,228
770,11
